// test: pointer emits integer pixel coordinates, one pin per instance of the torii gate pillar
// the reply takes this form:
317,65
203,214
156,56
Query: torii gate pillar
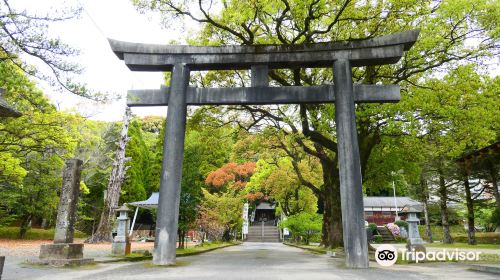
351,193
171,173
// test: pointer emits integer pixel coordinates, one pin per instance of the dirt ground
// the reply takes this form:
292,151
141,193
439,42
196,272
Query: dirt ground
31,248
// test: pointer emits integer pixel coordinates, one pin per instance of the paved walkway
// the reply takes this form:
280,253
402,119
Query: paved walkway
248,261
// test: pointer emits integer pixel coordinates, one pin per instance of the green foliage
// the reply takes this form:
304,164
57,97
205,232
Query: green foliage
435,215
400,239
96,148
377,239
373,228
401,223
33,148
303,226
484,217
138,167
495,217
220,214
192,180
280,183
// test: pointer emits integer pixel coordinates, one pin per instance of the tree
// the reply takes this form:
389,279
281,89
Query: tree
137,180
445,27
279,183
32,149
223,199
22,33
104,230
460,118
96,148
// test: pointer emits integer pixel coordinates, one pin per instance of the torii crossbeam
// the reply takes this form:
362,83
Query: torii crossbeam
259,59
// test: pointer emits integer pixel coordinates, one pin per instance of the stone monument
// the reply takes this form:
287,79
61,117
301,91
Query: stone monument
64,251
121,242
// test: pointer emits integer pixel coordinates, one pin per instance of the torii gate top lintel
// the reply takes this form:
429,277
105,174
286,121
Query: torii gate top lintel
374,51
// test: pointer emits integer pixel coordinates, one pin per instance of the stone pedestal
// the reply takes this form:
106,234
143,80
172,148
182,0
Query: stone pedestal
2,261
61,251
62,254
64,251
121,242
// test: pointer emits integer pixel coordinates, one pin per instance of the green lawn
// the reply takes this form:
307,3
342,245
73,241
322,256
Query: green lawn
311,248
463,245
437,231
33,234
459,235
207,246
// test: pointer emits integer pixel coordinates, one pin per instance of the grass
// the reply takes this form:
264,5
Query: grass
206,247
437,231
459,234
312,248
33,233
315,249
463,245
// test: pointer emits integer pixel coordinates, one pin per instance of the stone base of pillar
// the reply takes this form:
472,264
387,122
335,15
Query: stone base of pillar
120,248
62,254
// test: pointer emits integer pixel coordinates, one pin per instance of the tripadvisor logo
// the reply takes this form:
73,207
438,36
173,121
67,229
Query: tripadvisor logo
387,255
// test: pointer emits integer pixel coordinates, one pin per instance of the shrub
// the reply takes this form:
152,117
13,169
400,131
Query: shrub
400,239
495,218
393,228
373,228
304,225
377,239
401,224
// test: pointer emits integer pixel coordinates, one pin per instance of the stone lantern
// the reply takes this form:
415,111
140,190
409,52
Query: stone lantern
413,220
121,242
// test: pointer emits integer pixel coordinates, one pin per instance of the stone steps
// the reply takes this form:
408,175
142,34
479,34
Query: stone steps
267,233
386,234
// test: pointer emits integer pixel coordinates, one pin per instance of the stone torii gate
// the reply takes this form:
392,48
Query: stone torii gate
259,59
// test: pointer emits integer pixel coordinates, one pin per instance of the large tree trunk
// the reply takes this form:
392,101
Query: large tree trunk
25,222
425,201
471,232
443,196
104,230
332,214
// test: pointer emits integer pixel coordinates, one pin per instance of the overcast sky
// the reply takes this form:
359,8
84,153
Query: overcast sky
104,72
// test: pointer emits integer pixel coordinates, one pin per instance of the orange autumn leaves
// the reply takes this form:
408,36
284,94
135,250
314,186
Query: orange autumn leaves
232,175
